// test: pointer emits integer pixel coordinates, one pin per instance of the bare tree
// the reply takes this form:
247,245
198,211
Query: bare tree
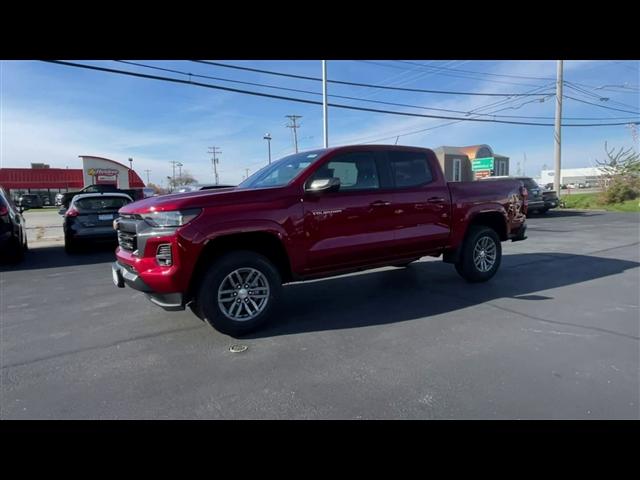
185,179
620,177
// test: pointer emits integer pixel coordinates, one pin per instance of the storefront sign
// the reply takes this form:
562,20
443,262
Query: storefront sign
104,175
482,173
482,164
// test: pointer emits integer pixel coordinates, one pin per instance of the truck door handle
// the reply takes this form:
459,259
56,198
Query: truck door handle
380,203
436,200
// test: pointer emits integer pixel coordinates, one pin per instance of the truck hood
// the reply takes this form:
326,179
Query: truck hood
199,199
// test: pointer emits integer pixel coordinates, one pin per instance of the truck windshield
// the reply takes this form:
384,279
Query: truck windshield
281,172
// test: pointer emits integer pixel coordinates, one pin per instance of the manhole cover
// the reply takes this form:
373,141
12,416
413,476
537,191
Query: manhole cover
237,348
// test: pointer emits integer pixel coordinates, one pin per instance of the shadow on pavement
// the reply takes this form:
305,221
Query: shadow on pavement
55,256
426,289
558,213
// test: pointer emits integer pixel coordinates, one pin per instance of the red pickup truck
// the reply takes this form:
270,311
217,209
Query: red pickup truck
225,253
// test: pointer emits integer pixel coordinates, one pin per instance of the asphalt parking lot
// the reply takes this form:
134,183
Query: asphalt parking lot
555,335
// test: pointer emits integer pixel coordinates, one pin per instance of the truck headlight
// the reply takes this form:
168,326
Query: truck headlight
175,218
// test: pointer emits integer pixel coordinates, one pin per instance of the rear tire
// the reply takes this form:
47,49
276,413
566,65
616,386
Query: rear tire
15,252
249,305
480,254
70,245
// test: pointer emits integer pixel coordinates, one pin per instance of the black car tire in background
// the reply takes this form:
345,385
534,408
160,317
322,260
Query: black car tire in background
70,245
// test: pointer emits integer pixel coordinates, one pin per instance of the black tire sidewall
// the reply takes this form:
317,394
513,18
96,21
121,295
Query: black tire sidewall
466,267
207,297
70,245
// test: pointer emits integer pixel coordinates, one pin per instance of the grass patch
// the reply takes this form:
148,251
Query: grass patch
592,201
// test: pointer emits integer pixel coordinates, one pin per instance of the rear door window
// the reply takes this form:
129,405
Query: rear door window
410,169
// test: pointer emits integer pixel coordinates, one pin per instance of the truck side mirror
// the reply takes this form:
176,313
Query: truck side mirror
320,185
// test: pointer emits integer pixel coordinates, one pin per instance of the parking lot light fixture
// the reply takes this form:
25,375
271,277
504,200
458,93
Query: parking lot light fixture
267,137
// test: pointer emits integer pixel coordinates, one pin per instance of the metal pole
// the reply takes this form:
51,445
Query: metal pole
325,118
558,124
267,137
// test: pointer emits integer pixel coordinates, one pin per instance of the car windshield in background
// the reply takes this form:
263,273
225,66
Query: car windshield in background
101,203
281,172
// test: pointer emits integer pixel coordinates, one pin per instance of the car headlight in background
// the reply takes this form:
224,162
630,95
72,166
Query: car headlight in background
176,218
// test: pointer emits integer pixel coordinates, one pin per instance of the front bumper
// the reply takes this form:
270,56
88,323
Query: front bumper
123,274
519,234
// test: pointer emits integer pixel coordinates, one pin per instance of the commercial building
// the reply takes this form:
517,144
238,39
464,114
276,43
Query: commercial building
46,182
590,175
465,164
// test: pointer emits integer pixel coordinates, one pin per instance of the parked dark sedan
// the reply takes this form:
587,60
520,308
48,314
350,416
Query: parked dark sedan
30,200
90,217
13,233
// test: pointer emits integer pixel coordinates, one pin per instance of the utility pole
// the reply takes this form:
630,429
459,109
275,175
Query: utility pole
179,165
325,110
558,125
147,172
524,165
294,127
267,137
173,176
214,161
247,173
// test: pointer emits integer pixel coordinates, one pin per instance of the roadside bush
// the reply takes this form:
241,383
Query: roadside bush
621,189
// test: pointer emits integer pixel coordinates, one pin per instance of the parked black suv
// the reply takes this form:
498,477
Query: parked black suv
536,200
13,233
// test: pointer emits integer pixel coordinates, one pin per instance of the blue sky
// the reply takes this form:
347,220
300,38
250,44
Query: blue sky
52,113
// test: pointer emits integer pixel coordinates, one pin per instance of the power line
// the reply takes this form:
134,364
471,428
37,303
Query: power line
482,107
300,100
421,65
601,106
360,99
599,97
356,84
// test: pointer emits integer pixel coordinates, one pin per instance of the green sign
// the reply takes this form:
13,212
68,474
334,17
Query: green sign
482,164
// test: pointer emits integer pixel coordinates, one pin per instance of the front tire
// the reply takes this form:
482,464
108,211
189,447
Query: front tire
239,292
480,255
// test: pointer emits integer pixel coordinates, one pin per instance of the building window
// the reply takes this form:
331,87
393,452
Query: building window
457,170
502,168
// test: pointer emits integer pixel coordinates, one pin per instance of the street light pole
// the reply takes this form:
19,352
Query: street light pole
267,137
179,165
558,126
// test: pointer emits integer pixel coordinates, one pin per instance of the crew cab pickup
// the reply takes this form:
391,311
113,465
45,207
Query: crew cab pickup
226,253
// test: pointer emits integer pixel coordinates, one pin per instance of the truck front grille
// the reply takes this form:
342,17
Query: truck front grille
127,241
